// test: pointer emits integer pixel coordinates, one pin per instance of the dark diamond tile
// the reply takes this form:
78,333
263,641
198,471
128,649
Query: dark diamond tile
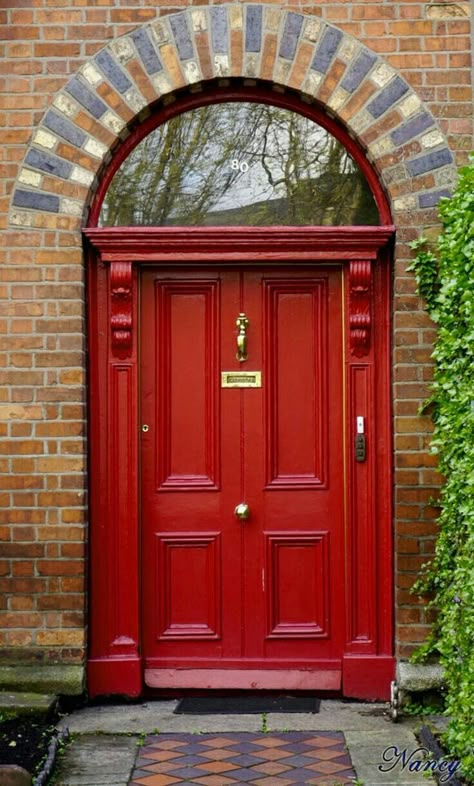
299,761
246,760
185,773
245,747
243,775
186,761
296,747
300,775
196,748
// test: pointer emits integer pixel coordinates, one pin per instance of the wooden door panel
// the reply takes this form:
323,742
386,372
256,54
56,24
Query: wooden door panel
295,333
187,440
188,585
297,567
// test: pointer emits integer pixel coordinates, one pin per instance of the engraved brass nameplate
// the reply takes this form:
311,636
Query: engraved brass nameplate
241,379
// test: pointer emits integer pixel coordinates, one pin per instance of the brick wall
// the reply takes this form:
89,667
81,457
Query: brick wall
43,513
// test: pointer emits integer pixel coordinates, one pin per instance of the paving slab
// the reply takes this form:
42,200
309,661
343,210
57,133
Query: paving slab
149,716
98,760
366,750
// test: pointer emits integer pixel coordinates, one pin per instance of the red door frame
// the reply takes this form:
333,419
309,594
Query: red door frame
116,254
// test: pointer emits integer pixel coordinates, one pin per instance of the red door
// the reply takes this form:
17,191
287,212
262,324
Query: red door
253,602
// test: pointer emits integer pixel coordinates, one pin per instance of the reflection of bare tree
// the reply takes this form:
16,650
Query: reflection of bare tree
182,173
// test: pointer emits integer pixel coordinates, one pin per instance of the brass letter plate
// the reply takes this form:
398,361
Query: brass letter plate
241,379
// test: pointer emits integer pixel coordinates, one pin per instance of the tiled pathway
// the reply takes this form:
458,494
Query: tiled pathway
273,759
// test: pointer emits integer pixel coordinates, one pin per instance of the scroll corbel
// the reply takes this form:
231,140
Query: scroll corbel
121,310
360,307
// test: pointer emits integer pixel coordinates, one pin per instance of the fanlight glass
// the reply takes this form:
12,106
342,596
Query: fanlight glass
239,164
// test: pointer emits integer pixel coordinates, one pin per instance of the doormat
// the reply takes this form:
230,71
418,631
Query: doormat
256,759
245,705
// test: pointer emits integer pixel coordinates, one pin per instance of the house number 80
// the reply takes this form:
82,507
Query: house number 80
240,166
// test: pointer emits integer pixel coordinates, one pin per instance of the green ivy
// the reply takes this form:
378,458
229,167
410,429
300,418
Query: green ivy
446,281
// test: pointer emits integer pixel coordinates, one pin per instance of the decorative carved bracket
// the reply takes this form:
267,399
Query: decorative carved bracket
121,310
360,294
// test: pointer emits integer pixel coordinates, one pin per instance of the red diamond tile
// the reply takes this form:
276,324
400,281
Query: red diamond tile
270,742
326,753
218,742
156,780
217,766
167,745
155,755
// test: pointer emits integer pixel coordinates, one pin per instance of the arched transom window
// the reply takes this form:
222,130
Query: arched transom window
239,164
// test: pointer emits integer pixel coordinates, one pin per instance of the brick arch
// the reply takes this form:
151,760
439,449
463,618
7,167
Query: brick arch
119,84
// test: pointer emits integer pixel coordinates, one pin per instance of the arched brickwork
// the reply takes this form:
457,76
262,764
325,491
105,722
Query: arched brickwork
119,84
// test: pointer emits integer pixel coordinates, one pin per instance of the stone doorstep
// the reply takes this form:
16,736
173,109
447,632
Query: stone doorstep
13,703
56,678
418,677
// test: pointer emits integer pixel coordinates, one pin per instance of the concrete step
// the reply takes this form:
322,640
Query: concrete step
20,703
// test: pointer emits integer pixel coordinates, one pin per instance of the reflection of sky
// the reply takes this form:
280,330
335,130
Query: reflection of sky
254,185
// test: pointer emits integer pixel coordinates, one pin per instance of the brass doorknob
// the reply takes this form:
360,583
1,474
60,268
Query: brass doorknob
242,511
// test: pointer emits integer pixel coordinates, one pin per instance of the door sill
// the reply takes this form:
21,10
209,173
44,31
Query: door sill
245,679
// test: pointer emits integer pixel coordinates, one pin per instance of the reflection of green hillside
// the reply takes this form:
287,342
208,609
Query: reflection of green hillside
331,201
324,201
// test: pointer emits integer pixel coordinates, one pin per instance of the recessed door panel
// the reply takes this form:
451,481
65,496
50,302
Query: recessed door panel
188,585
296,348
243,568
187,359
298,584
